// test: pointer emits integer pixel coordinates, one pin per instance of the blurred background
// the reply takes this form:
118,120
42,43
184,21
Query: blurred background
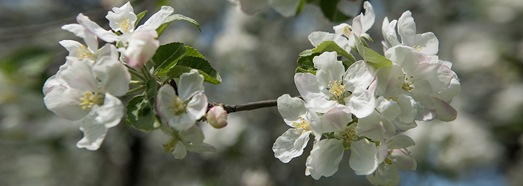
256,55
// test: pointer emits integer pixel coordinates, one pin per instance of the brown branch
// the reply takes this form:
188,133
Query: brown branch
244,107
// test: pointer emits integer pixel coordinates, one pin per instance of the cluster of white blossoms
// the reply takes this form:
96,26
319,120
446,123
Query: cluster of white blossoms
364,108
86,88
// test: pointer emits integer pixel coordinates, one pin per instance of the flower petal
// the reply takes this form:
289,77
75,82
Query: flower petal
400,142
325,158
389,109
428,42
113,76
374,127
407,28
329,68
64,101
197,106
142,45
359,76
157,19
307,85
290,108
111,112
78,75
290,144
190,84
361,103
363,157
179,151
94,133
385,175
95,29
336,119
122,19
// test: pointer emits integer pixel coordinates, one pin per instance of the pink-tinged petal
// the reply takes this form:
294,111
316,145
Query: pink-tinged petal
141,47
290,144
190,84
407,28
363,157
324,159
290,108
94,133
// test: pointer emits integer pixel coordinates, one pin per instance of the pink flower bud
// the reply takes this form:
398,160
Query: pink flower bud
142,46
217,117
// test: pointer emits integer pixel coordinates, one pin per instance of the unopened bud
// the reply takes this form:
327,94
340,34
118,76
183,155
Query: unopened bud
217,117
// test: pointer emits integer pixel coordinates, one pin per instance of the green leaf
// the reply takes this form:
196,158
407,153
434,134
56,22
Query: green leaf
140,113
139,18
305,64
330,10
328,46
188,62
167,56
179,17
372,57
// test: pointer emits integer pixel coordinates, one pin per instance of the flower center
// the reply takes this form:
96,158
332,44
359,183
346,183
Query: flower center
302,124
125,25
347,30
179,107
171,144
90,99
408,84
337,89
84,53
348,135
417,47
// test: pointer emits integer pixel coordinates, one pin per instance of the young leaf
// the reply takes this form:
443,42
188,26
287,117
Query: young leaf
179,17
372,57
167,56
139,18
140,113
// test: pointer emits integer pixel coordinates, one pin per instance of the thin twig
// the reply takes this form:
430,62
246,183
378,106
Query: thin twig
246,106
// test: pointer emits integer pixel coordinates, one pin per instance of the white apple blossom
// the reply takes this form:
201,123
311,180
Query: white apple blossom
295,114
86,91
429,81
187,140
325,158
426,43
137,45
332,86
181,111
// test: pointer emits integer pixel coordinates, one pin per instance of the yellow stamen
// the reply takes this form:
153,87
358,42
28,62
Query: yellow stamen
348,135
347,31
178,107
417,47
84,53
337,89
408,84
90,99
302,124
125,25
